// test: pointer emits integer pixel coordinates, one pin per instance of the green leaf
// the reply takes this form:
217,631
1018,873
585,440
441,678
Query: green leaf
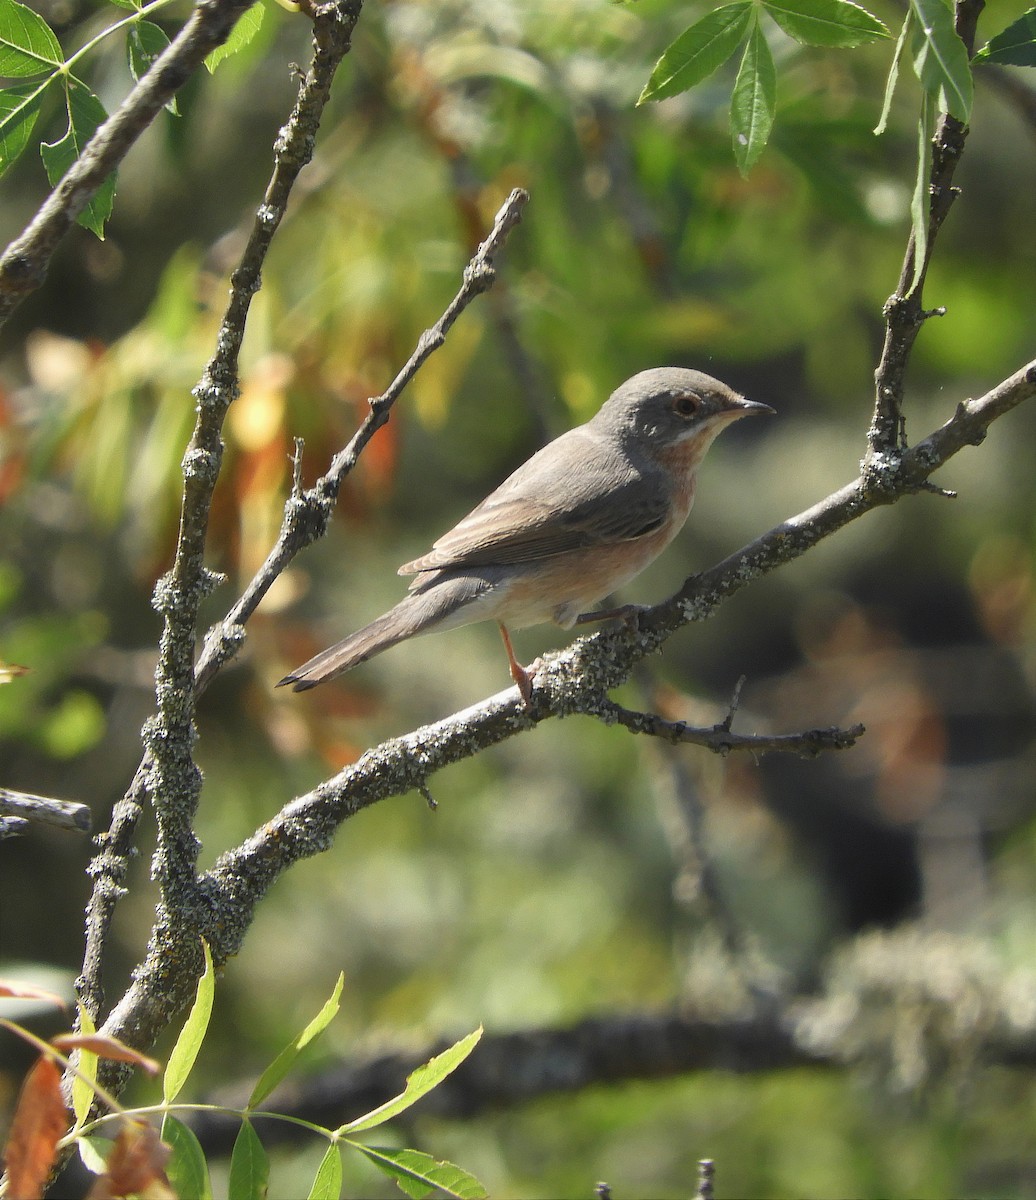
698,51
27,43
82,1092
281,1065
144,43
419,1174
94,1152
246,28
940,58
753,101
1016,46
85,114
826,22
418,1084
920,201
249,1166
187,1169
893,76
327,1183
19,108
181,1060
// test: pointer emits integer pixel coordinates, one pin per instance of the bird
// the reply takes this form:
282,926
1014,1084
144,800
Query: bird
572,525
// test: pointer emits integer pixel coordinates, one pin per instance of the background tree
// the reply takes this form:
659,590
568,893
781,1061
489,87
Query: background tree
573,872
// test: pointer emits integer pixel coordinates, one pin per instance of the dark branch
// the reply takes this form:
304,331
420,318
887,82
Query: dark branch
64,814
23,266
720,740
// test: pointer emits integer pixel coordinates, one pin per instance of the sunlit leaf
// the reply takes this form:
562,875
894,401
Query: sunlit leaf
420,1175
85,114
893,75
940,58
247,26
327,1183
281,1065
82,1092
27,43
38,1122
249,1166
826,22
184,1053
697,52
753,101
920,201
418,1084
1016,46
187,1169
19,108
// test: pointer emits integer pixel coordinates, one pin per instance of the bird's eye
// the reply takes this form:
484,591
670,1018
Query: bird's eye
686,405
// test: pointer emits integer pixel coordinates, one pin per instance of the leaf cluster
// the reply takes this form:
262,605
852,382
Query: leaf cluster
168,1161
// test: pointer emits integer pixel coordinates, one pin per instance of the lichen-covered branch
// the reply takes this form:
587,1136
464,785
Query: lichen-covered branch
574,680
168,774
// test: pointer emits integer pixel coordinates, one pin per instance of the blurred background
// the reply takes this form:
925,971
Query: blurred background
575,871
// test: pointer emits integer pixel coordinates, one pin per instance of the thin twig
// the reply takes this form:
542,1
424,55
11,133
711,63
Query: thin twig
721,740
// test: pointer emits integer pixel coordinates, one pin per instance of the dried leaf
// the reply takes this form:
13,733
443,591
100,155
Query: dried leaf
136,1165
25,991
39,1121
105,1047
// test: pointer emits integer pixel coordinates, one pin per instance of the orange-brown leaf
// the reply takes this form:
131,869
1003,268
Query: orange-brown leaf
39,1121
26,991
105,1047
136,1166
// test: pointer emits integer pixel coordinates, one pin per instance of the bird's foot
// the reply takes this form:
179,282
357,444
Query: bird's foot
522,676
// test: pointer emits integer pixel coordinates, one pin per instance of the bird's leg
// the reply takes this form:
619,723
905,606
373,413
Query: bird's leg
624,612
519,674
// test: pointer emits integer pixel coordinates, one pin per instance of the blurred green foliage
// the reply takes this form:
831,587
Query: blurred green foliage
552,881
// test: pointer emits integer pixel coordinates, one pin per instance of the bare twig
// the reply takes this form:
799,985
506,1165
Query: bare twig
64,814
720,740
23,266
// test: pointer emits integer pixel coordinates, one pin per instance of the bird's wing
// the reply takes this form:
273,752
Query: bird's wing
573,493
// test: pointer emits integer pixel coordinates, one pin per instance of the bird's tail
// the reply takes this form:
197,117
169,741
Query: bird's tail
416,613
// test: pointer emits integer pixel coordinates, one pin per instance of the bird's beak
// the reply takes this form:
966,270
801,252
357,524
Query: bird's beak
753,408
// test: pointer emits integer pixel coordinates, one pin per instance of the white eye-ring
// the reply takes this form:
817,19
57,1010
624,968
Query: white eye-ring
686,405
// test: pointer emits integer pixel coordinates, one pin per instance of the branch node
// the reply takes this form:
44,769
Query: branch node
429,799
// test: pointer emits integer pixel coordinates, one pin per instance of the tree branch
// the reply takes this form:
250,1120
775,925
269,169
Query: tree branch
23,266
63,814
574,680
168,774
904,314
